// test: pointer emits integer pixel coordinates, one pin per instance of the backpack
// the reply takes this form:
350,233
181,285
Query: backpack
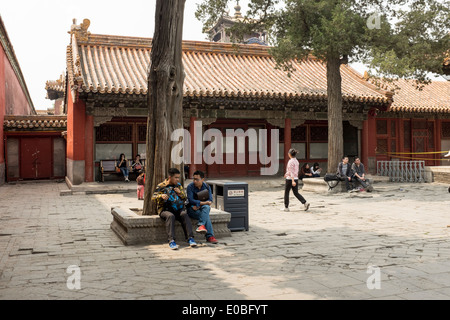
174,204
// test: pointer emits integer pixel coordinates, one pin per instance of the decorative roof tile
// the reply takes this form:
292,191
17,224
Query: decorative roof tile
114,64
56,88
36,122
433,97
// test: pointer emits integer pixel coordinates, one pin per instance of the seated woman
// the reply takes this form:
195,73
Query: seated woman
137,166
305,172
315,170
122,165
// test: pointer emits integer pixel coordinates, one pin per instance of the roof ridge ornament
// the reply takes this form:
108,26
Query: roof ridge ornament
237,13
80,31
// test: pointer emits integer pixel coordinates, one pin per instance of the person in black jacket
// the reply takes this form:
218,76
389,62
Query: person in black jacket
345,173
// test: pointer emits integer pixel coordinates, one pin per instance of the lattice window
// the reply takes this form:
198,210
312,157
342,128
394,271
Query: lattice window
407,134
382,127
299,133
382,145
114,133
445,130
318,133
431,135
419,144
142,133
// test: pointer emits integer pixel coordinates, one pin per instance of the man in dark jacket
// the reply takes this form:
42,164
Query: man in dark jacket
359,174
199,209
345,173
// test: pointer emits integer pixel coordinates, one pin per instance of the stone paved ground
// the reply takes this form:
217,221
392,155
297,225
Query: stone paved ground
321,254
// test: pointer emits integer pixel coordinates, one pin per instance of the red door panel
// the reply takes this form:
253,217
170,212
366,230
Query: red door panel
36,158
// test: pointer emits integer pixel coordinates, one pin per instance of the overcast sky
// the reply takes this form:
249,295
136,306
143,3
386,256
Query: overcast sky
38,31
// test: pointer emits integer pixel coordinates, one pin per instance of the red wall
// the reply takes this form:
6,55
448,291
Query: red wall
16,102
2,102
13,100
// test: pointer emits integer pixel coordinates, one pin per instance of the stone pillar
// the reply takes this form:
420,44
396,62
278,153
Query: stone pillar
287,140
76,119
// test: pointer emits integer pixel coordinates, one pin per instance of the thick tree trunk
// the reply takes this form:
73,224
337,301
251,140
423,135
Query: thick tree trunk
335,127
165,95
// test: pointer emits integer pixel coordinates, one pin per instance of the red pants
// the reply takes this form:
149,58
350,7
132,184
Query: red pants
140,192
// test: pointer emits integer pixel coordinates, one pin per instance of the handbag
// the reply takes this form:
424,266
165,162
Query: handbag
332,177
117,169
202,195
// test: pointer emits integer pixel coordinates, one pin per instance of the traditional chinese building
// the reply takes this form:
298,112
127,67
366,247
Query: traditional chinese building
226,87
56,92
417,125
238,87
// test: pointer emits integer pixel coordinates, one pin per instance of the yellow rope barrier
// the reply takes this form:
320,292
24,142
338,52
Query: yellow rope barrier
433,152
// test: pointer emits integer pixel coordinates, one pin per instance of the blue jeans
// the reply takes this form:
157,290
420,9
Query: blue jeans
202,215
124,171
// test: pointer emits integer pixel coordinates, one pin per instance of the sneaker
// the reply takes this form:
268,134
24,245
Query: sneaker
306,206
173,245
201,229
212,240
192,242
285,209
448,154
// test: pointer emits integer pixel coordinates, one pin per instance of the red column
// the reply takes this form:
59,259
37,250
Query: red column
365,143
192,166
371,144
89,149
76,117
437,140
287,140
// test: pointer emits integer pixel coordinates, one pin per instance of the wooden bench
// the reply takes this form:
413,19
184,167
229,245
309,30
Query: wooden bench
108,167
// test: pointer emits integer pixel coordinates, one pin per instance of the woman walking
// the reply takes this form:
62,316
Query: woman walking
292,181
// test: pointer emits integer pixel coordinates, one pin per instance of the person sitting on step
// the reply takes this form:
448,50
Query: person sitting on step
200,198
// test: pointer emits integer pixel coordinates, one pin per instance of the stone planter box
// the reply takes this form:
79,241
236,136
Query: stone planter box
133,228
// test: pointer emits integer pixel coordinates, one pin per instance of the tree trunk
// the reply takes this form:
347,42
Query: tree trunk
335,127
165,95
